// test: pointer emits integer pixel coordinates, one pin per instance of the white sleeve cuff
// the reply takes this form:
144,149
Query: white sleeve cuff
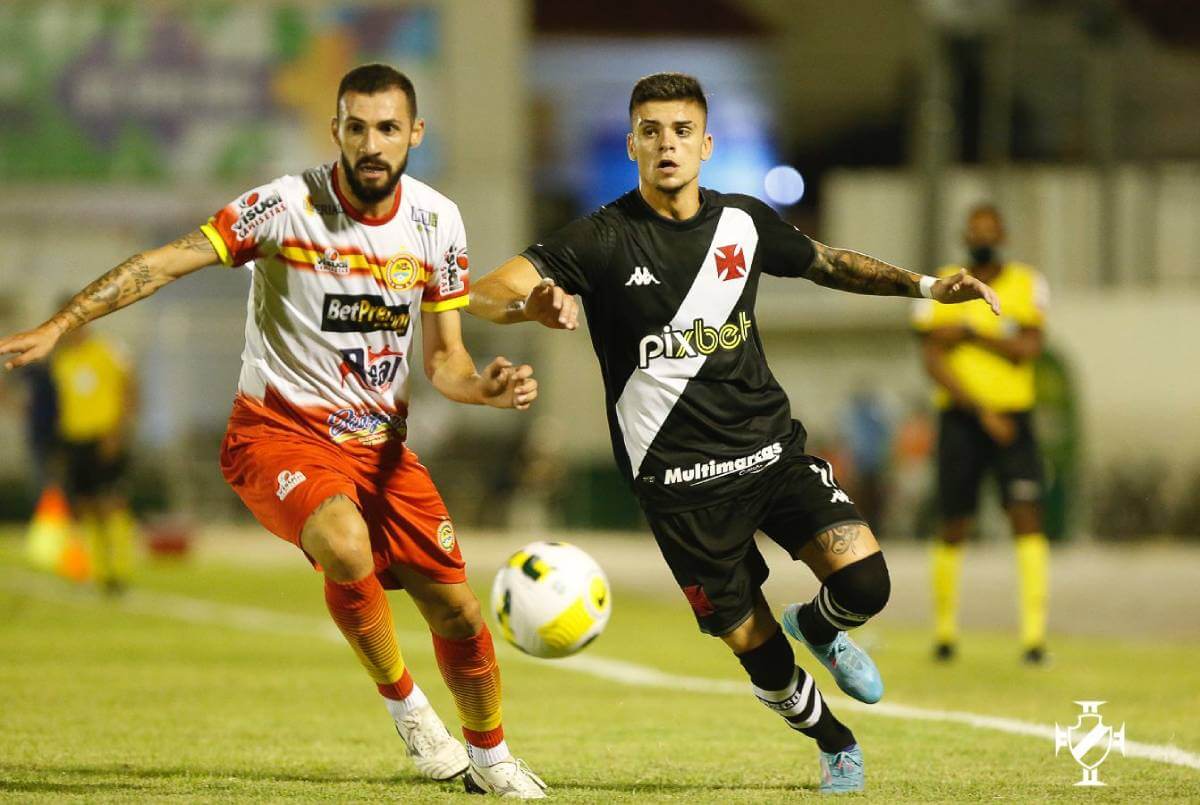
927,286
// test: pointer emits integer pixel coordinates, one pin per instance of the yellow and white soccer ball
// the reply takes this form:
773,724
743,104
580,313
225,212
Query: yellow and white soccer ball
551,599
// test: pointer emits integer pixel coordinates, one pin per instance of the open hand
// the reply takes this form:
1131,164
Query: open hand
962,287
29,346
551,306
507,386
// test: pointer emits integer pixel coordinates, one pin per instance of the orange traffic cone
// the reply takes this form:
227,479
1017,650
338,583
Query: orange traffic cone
73,563
50,543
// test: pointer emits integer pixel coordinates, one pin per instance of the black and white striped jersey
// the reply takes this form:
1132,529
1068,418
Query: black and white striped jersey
693,409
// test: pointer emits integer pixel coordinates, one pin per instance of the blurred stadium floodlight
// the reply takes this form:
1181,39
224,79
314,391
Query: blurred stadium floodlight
783,185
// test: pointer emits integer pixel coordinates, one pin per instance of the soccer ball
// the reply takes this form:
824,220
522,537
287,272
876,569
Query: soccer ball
551,599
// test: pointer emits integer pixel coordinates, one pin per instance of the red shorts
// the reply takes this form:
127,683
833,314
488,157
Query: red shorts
282,472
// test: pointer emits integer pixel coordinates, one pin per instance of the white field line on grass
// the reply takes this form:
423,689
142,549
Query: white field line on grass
254,619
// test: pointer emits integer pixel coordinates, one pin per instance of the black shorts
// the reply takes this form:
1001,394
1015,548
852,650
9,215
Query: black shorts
87,474
712,552
966,453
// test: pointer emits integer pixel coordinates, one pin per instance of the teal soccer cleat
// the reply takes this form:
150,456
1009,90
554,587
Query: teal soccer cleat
842,772
852,668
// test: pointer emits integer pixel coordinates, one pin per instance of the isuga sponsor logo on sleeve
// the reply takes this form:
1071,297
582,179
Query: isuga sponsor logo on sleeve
704,471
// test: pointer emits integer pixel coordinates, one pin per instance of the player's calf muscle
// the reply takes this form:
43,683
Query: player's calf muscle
336,536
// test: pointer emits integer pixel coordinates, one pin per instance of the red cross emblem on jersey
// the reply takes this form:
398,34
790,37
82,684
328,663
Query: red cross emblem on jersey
731,262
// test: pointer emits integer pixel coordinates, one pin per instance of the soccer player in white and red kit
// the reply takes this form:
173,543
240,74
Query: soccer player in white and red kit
342,257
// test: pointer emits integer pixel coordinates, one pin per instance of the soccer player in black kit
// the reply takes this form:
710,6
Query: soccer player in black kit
668,275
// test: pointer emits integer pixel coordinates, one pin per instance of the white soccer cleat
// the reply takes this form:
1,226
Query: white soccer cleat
433,750
509,778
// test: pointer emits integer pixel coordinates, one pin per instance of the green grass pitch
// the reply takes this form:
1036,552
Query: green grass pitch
162,697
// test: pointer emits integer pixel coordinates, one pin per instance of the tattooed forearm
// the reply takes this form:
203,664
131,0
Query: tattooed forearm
841,539
193,241
859,273
128,282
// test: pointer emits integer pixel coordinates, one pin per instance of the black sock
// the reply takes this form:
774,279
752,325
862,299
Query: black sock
779,684
772,664
829,733
816,630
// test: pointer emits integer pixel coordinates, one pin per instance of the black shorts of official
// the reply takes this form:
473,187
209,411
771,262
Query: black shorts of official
712,552
87,473
966,454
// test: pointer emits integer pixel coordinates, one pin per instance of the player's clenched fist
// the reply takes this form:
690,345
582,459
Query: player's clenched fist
552,306
508,386
29,346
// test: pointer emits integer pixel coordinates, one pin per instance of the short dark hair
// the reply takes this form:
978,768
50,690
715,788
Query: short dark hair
667,87
985,208
370,79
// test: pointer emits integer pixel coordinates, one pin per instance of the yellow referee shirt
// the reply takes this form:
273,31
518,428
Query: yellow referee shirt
92,380
996,382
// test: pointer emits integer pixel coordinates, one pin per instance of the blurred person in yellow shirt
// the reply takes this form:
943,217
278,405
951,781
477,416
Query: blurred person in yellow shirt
982,366
96,402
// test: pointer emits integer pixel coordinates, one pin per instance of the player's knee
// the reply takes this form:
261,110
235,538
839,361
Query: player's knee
337,538
459,619
349,556
752,632
862,588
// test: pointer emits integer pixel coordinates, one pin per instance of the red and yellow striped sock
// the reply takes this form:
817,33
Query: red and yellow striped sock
360,609
473,677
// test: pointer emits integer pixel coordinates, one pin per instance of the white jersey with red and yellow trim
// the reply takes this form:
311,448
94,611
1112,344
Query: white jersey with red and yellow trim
329,324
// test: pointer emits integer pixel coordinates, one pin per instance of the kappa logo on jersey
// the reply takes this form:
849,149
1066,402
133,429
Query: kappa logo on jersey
256,211
641,276
374,369
825,471
703,472
332,263
368,427
731,262
454,264
699,340
362,313
288,481
402,272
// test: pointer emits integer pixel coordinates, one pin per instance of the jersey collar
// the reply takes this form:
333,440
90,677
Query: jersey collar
687,223
349,209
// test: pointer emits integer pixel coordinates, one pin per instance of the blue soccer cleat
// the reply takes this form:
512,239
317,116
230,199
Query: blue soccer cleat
852,668
842,772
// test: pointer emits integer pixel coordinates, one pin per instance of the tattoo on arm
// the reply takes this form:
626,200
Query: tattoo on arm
193,241
126,283
845,270
841,539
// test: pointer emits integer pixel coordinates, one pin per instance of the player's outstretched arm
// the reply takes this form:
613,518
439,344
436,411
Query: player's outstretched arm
845,270
515,292
134,279
450,369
